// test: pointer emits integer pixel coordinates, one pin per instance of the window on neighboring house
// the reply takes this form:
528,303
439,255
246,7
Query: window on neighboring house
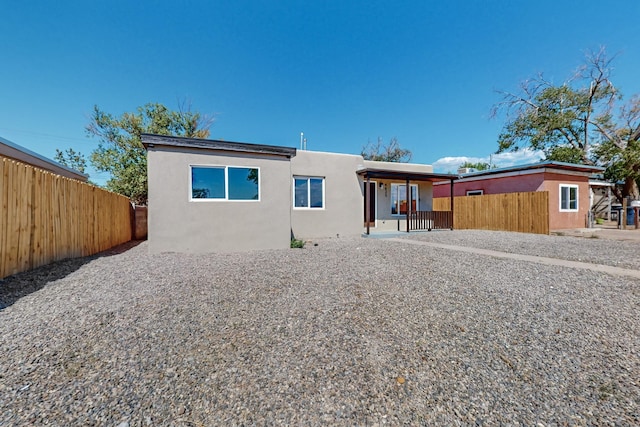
568,197
475,192
308,192
225,183
399,198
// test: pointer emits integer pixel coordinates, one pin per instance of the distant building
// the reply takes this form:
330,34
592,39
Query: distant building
14,151
570,197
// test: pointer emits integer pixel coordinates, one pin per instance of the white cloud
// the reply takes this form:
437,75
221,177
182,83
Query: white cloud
502,160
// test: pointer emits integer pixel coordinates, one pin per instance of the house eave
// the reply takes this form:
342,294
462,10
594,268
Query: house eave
545,166
152,140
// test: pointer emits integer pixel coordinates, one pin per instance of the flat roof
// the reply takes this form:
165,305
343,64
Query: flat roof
151,140
540,165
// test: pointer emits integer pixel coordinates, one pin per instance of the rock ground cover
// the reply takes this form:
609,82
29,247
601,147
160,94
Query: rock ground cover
349,332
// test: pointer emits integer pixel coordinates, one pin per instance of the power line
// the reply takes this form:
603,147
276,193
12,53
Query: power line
45,135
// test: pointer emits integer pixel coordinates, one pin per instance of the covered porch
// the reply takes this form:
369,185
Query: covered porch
409,206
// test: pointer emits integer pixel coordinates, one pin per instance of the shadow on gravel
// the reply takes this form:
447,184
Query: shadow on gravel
12,288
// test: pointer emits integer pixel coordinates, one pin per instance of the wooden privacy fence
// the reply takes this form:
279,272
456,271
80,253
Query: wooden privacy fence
521,212
46,217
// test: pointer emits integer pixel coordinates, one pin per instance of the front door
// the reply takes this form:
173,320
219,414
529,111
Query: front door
371,203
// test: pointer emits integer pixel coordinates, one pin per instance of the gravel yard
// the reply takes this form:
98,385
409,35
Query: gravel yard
348,332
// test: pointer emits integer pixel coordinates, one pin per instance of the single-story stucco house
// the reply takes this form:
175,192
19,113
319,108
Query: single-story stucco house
211,196
567,183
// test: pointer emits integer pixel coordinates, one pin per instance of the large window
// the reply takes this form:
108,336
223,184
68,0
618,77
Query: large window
568,197
399,198
308,192
225,183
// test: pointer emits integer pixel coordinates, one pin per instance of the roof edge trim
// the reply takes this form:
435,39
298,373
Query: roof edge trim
151,140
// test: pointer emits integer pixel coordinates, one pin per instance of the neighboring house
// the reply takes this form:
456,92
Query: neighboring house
16,152
602,198
207,195
567,184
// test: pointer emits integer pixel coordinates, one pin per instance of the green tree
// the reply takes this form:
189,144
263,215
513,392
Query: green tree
120,151
72,159
480,166
391,152
574,122
619,148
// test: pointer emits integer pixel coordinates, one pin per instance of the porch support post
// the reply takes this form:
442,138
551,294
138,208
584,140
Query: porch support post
451,201
608,203
408,204
367,205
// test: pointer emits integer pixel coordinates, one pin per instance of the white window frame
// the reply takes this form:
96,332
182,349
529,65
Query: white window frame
226,184
403,184
577,200
309,178
475,192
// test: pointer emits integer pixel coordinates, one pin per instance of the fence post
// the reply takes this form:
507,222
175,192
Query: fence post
451,202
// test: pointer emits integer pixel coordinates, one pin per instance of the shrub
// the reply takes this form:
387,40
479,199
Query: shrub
295,243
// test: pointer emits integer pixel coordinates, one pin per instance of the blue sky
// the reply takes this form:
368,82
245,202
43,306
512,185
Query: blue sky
342,72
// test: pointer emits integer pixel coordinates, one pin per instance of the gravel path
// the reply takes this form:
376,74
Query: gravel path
349,332
586,249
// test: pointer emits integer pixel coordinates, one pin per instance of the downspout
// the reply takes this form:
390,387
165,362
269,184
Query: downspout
408,203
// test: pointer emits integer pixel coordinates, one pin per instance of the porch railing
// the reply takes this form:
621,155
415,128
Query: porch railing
430,220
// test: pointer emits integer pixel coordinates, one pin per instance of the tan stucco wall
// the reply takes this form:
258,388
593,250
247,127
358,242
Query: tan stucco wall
177,224
343,211
397,166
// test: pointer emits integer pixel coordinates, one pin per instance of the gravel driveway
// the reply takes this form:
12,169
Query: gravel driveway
348,332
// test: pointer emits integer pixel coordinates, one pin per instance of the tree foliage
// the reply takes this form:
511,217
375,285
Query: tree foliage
578,121
120,151
619,148
391,152
480,166
72,159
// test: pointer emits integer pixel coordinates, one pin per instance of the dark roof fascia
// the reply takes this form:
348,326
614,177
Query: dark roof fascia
151,140
532,166
403,176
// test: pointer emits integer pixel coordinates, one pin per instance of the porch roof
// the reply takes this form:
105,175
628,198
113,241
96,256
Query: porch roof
405,175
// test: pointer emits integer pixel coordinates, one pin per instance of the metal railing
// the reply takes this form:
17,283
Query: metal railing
430,220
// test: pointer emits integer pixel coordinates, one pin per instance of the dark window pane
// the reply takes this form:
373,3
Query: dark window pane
564,198
301,193
402,199
207,183
394,199
316,192
243,183
573,198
